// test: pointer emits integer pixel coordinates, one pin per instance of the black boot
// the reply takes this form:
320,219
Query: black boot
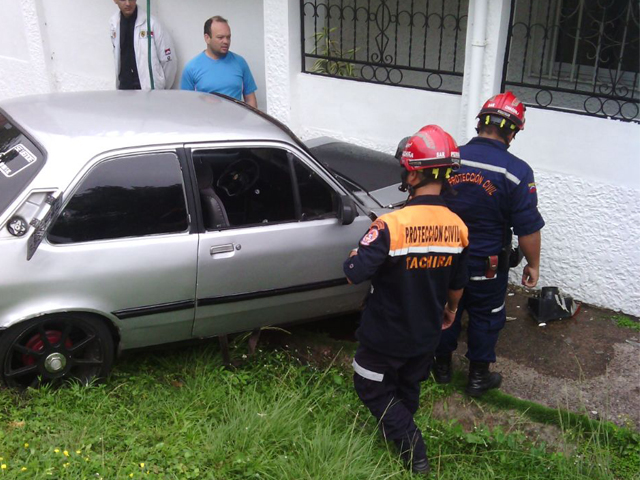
414,455
481,379
442,368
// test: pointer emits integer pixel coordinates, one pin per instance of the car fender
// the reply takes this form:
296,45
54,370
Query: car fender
22,313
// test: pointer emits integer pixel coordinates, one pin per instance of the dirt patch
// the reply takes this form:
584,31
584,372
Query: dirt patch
471,415
586,364
573,348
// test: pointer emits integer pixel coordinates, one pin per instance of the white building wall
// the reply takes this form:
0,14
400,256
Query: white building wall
587,169
588,175
24,60
64,45
375,116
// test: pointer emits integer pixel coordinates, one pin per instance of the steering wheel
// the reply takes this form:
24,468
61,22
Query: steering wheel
239,177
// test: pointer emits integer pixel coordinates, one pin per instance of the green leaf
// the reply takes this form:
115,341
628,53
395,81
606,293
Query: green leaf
474,439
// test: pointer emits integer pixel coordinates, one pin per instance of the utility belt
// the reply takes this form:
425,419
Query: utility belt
507,258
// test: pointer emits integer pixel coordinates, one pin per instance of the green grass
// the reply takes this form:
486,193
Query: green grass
181,415
603,442
626,322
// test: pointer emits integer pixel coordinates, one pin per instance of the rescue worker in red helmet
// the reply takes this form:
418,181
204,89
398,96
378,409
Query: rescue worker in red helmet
494,192
416,260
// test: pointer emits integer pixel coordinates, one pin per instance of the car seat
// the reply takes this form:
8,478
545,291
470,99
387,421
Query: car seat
213,211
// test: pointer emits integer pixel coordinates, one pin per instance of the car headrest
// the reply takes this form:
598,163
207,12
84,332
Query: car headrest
204,174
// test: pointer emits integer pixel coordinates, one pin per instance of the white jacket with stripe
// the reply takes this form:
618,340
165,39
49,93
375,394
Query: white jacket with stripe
163,55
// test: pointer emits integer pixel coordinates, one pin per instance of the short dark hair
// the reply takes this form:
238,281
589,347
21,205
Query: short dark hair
207,24
428,175
492,129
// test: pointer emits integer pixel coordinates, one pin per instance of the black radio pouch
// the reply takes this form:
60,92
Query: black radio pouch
509,256
515,257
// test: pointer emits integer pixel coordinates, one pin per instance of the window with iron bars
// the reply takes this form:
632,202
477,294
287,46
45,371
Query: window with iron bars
575,55
408,43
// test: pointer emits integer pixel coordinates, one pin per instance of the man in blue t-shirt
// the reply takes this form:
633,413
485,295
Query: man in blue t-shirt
217,69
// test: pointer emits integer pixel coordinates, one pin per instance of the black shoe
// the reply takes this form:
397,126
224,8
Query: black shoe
414,458
481,379
420,466
442,370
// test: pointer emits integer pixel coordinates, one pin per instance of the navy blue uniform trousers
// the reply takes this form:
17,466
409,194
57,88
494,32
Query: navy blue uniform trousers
390,388
484,301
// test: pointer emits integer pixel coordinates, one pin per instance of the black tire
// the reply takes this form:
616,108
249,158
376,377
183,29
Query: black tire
54,349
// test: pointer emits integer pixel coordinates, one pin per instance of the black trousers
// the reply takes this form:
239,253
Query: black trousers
390,388
484,301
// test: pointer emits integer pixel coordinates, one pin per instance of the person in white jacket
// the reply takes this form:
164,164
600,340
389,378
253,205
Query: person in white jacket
129,37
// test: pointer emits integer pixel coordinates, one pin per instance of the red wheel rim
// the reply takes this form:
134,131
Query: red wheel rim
36,344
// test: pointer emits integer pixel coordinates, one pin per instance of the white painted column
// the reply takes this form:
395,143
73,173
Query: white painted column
478,27
39,45
487,32
497,33
282,55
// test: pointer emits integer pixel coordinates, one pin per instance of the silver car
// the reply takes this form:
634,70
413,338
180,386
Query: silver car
130,219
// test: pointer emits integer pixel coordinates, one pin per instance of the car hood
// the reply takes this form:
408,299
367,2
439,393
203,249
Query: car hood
361,169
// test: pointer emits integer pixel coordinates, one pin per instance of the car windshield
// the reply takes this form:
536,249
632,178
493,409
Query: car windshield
20,161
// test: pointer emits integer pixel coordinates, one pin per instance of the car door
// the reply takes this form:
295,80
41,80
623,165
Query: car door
121,246
273,253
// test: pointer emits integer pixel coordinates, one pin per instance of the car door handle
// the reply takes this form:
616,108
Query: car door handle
226,248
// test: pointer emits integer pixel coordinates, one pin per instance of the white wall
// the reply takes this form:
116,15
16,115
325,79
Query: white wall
23,58
64,45
587,169
375,116
588,175
595,149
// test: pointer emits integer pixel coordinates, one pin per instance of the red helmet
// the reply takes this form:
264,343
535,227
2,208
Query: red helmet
507,107
431,147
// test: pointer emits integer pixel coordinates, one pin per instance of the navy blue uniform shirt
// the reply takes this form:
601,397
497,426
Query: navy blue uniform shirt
495,191
414,256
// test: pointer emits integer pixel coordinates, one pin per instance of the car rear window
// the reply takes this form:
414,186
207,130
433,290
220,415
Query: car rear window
20,161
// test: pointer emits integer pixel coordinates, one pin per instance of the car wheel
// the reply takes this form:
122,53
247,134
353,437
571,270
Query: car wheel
53,349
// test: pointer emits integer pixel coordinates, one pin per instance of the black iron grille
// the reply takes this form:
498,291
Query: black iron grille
409,43
575,55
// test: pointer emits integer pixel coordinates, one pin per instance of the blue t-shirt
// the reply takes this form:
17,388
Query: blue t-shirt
229,75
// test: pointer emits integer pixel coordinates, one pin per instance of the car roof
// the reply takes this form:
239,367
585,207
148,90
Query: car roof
90,123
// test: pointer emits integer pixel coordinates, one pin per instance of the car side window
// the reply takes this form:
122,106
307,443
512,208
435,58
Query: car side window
317,199
258,186
129,196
